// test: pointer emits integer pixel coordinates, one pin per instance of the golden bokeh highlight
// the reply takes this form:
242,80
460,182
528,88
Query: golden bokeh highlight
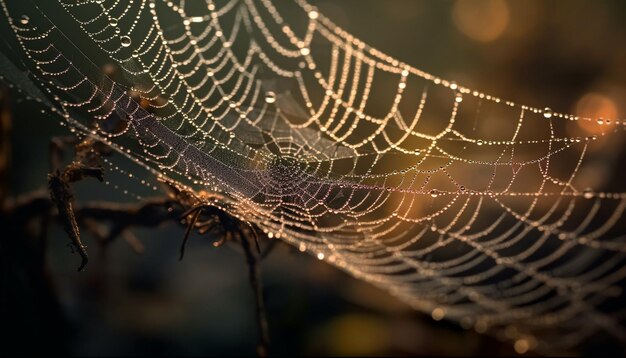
525,16
356,335
481,20
438,313
521,346
598,107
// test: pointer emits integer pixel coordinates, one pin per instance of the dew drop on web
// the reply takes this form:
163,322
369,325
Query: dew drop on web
547,113
125,40
270,97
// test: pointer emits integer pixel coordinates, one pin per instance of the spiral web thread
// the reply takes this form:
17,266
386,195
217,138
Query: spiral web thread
462,204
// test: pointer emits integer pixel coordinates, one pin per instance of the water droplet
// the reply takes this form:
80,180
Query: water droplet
320,256
125,40
305,51
453,85
313,14
434,193
438,313
113,22
135,54
547,113
462,188
588,194
270,97
24,20
458,98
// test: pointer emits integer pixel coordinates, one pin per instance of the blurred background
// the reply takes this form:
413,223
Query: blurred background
566,53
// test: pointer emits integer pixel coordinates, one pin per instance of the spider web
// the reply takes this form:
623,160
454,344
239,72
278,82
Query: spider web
466,206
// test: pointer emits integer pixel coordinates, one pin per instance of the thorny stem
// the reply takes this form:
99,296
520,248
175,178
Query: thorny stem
190,225
61,195
255,281
256,238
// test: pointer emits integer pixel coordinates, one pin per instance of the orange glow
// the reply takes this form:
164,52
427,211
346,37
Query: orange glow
481,20
521,346
438,313
597,107
356,335
110,69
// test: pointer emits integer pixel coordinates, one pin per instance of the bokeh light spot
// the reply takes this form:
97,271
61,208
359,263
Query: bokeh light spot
481,20
595,106
521,346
